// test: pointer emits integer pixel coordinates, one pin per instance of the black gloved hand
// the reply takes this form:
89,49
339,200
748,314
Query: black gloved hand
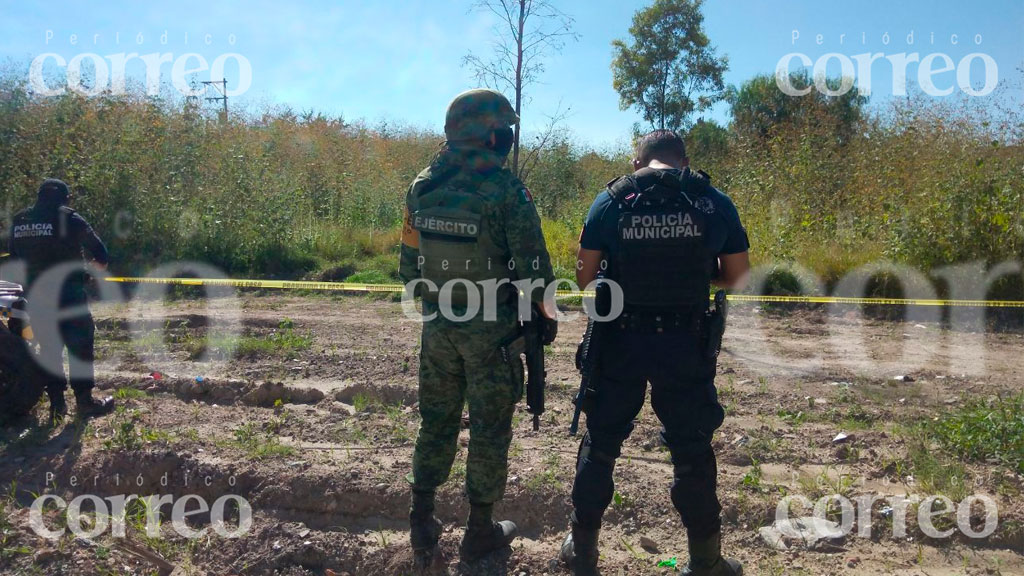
549,330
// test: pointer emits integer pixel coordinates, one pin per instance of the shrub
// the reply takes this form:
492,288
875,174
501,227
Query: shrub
273,193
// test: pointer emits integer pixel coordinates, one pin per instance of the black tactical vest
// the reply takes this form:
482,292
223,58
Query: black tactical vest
661,262
44,237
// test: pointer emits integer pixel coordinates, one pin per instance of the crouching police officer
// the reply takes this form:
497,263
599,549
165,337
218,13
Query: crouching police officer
665,234
469,224
47,236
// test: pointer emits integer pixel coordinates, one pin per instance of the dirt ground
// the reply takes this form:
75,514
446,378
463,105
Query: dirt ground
312,421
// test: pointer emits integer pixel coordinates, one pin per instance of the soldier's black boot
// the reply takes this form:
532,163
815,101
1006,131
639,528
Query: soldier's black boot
706,559
89,407
424,529
579,550
483,535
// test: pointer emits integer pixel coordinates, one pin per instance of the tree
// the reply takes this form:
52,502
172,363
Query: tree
527,31
759,106
670,70
707,142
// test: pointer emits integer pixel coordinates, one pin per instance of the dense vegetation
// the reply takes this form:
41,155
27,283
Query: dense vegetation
288,195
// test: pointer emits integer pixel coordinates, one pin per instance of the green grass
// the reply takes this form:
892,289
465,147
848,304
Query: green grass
938,473
362,402
284,342
548,476
370,277
828,482
136,512
128,433
127,393
10,546
854,417
622,501
980,430
287,345
765,446
752,479
350,432
458,472
259,445
794,419
983,430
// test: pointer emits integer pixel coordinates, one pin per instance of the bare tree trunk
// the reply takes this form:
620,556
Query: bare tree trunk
664,95
519,85
527,31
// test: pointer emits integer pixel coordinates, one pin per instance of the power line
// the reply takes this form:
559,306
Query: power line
222,87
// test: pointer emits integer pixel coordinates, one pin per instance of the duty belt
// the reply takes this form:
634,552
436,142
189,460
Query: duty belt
661,322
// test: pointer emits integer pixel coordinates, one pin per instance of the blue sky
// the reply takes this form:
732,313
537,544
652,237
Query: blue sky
400,61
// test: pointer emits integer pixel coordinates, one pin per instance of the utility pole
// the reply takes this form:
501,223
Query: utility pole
222,86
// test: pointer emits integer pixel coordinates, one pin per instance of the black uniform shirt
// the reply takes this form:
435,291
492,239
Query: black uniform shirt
46,235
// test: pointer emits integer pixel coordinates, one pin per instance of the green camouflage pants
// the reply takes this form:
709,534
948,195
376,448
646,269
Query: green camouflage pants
460,363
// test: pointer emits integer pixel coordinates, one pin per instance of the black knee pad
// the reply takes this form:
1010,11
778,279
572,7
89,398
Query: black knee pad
594,487
587,451
694,494
694,479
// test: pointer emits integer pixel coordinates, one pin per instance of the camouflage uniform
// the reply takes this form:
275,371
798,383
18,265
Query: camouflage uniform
462,362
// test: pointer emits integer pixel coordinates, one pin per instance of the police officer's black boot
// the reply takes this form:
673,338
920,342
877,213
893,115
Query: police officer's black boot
579,550
483,535
706,559
424,529
89,407
58,405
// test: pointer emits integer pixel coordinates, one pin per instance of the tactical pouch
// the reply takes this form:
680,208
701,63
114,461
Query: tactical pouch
589,400
716,331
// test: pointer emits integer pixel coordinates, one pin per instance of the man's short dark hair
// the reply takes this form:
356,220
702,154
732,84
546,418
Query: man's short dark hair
664,145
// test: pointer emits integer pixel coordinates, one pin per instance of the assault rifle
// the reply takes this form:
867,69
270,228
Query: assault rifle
533,334
588,354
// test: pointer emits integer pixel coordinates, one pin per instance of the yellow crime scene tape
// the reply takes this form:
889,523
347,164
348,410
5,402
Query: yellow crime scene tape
398,288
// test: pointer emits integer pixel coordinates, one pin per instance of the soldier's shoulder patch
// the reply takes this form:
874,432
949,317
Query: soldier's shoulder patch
410,236
524,195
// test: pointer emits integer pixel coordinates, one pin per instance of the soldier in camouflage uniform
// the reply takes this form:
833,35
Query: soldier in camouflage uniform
470,223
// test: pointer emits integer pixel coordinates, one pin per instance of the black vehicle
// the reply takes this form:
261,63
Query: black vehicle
21,384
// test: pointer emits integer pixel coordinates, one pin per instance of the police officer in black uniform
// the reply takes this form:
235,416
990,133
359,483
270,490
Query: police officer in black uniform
664,234
48,235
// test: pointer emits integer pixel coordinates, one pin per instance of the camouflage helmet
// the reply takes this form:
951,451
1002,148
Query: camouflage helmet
473,114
